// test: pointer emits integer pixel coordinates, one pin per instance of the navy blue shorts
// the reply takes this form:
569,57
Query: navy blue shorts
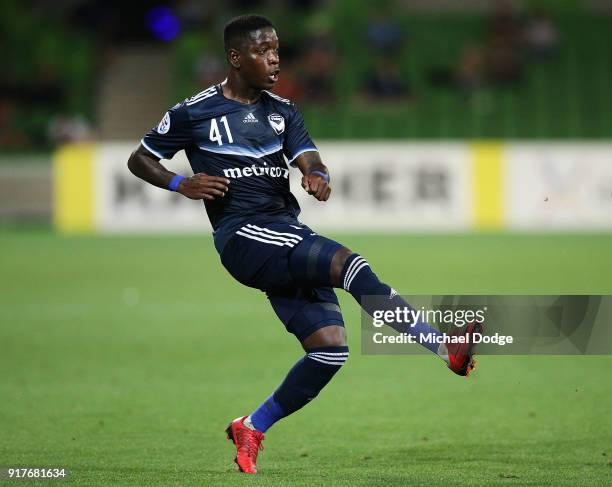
259,256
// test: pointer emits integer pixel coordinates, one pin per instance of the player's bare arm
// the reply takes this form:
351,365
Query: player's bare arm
316,176
197,187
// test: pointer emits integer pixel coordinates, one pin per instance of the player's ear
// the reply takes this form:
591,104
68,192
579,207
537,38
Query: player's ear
233,56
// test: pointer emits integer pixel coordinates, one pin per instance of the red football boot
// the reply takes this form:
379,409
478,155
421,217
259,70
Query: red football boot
461,355
248,444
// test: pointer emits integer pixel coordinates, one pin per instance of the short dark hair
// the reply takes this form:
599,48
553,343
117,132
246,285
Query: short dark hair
237,29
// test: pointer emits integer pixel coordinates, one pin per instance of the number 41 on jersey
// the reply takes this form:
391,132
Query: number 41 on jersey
215,135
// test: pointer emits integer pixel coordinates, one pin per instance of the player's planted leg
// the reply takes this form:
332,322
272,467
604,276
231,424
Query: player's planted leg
302,384
326,352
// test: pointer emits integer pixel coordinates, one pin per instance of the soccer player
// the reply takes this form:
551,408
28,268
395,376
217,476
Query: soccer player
239,137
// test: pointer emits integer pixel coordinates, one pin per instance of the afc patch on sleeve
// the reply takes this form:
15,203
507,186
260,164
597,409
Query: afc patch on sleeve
164,125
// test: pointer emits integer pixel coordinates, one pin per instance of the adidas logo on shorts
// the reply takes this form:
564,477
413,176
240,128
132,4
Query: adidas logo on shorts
250,118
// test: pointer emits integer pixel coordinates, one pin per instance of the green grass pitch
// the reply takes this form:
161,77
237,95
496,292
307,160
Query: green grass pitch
123,359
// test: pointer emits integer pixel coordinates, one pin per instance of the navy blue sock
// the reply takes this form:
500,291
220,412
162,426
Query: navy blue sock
359,280
303,383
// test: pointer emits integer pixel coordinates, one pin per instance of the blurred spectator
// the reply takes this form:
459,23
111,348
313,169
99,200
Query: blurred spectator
541,36
469,76
209,70
497,60
504,62
385,83
500,59
383,31
288,85
10,136
318,63
505,24
46,88
195,14
68,128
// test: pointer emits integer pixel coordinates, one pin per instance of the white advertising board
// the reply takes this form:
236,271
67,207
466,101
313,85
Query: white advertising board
376,187
381,186
558,186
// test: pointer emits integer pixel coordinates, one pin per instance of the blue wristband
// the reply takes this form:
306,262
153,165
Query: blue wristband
175,181
322,174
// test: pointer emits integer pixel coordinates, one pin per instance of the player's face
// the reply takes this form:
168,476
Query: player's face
260,62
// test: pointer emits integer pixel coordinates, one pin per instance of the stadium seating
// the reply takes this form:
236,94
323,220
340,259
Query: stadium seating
569,96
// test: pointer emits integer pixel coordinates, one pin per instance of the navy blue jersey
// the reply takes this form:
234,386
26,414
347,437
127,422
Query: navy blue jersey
246,143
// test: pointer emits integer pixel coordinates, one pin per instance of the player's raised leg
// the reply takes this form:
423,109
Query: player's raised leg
321,261
353,273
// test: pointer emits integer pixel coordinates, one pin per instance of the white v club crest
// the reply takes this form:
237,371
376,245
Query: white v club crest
277,122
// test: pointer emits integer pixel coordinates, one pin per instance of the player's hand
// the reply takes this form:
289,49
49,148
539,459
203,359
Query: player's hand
203,187
316,185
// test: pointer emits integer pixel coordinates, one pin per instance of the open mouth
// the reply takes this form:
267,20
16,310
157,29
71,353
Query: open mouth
273,76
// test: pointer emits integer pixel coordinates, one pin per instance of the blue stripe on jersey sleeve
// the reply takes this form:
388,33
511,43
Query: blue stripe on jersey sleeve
299,152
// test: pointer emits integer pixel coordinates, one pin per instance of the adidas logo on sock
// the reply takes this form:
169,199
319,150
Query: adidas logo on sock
392,294
250,118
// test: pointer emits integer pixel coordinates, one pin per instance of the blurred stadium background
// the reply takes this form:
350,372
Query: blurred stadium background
470,150
99,72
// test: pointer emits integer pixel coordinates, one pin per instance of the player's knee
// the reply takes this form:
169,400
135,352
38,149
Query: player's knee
337,265
329,336
334,356
310,262
328,346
